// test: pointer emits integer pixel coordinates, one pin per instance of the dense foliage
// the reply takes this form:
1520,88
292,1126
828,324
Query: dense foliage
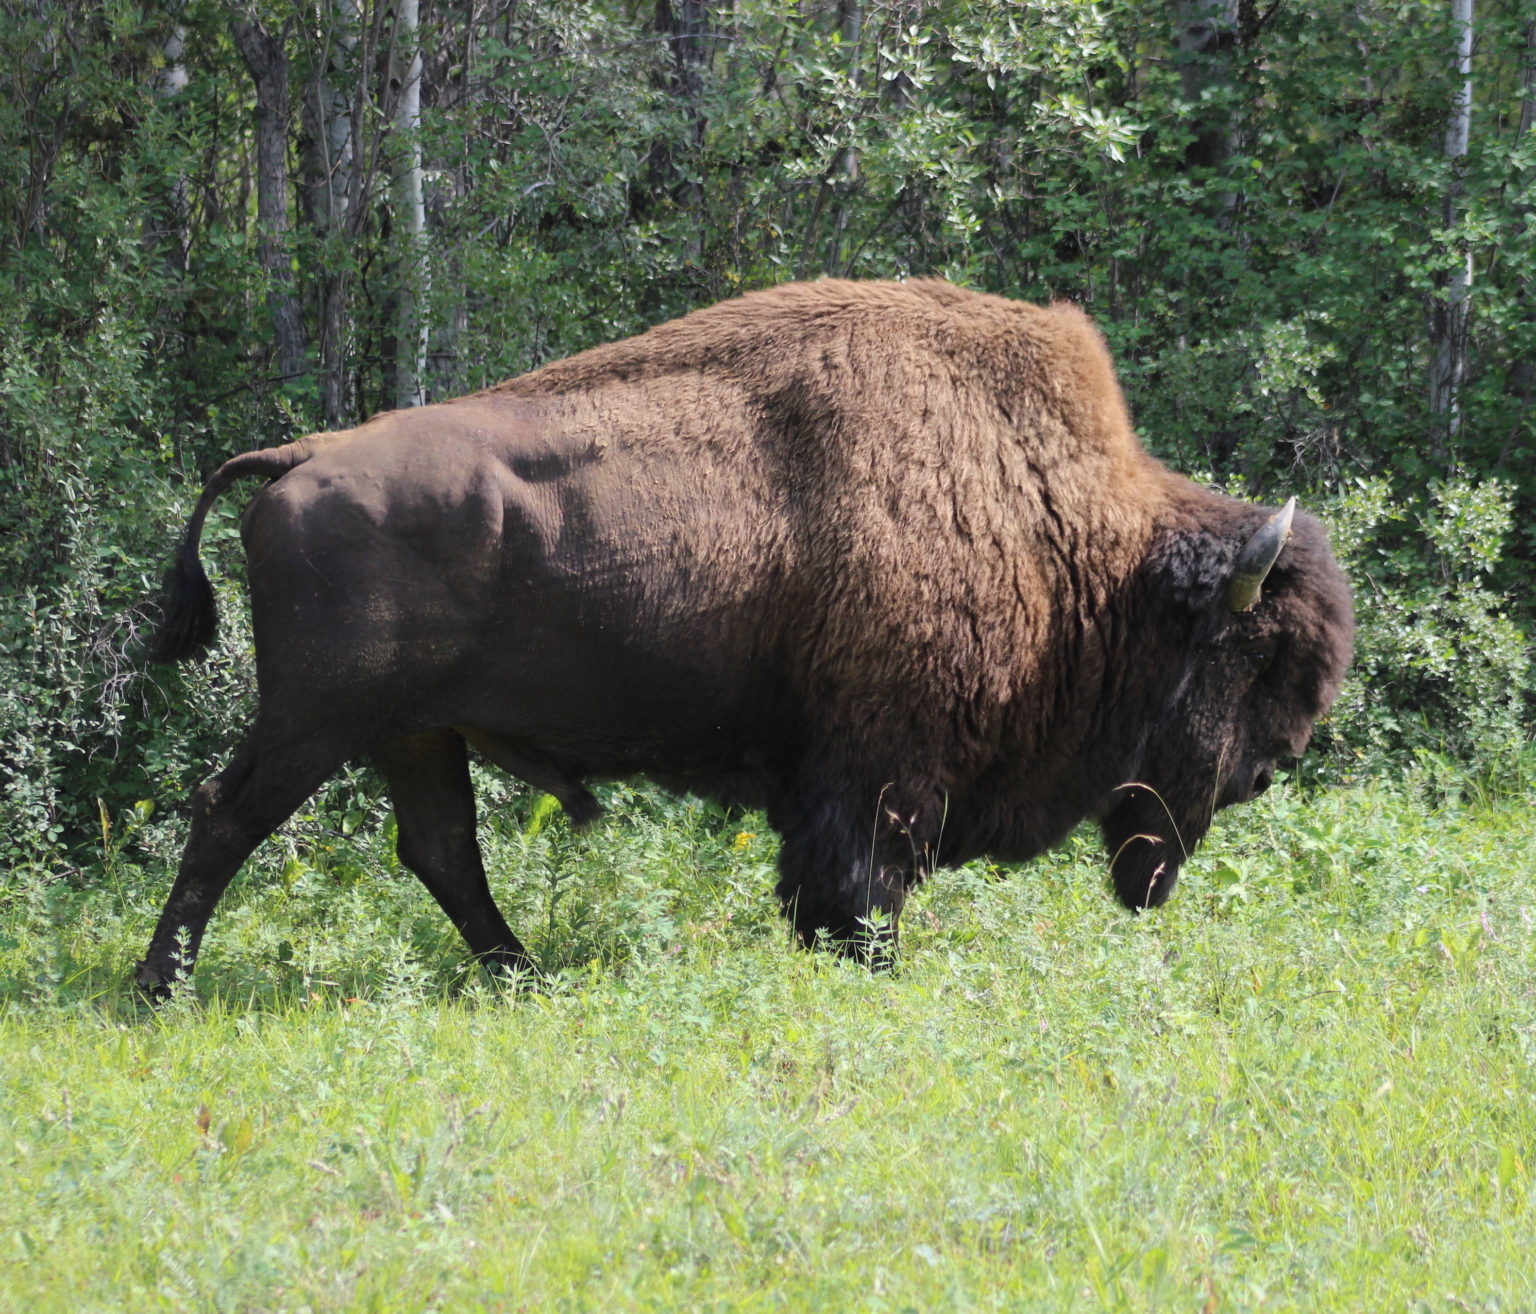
208,242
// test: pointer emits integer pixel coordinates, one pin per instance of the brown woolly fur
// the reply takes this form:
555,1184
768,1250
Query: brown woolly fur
896,454
885,558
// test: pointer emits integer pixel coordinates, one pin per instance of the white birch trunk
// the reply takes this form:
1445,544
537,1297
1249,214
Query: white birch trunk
410,211
332,148
1448,320
1522,378
167,220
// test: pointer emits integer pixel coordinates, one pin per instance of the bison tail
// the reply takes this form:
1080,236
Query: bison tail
189,619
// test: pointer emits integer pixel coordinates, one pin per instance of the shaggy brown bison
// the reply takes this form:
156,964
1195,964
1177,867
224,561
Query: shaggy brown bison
884,559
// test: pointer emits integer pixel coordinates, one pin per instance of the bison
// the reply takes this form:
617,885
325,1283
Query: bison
886,560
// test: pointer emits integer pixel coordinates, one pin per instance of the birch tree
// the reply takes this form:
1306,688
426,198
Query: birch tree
332,180
409,211
1522,377
1448,315
166,223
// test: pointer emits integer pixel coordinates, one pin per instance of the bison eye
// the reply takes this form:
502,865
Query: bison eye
1258,657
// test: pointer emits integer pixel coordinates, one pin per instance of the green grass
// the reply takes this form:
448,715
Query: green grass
1308,1083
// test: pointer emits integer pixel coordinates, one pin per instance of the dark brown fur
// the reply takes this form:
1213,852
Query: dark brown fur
886,559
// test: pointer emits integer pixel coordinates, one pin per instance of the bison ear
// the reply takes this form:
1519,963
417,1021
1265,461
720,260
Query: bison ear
1256,558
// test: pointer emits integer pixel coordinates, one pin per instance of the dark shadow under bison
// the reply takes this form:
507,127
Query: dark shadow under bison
886,560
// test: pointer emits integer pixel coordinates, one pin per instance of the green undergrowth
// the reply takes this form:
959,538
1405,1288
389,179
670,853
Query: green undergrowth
1307,1083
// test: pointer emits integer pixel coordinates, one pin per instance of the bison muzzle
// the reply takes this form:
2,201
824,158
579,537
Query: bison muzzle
886,560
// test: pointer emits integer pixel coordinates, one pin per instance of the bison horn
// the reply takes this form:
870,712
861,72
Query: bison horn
1257,556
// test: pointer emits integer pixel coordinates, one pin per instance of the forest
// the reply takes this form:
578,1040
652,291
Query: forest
1308,233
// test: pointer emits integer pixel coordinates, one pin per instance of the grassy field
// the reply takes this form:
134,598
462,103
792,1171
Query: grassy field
1309,1083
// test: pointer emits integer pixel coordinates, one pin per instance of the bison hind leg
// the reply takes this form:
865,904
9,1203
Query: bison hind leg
434,798
232,813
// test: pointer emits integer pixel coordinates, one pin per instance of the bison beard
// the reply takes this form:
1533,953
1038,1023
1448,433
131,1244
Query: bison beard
886,560
1146,846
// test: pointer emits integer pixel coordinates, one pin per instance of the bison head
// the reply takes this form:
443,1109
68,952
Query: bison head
1244,631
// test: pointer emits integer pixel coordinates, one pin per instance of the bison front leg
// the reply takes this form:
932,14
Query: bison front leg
434,798
842,883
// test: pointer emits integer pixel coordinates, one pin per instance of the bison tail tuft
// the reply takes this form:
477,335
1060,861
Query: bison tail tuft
189,619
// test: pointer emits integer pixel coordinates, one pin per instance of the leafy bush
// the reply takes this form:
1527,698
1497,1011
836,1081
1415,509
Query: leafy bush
1440,663
86,499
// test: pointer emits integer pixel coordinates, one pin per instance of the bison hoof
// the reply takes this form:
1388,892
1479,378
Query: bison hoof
153,986
873,947
519,978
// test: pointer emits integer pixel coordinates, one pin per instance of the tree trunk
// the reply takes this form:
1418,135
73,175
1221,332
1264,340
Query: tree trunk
842,172
165,226
410,213
448,84
1528,81
328,190
1208,35
267,60
1522,376
686,27
1448,315
851,22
